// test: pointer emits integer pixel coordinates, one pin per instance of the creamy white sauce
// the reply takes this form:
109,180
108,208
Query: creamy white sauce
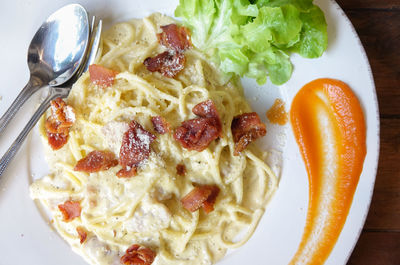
149,216
113,133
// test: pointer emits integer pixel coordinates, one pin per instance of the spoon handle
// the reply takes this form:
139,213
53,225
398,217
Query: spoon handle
26,93
54,92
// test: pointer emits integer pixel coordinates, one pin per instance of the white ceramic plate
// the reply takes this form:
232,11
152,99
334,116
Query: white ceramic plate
26,237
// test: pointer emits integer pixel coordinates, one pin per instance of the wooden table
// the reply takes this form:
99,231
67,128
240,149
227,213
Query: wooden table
377,22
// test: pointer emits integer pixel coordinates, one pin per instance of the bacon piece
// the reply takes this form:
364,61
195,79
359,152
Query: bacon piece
171,62
135,146
168,63
57,140
175,37
197,134
127,172
207,109
70,210
138,255
101,75
246,128
160,125
58,123
208,205
180,170
62,117
201,196
82,234
96,161
195,199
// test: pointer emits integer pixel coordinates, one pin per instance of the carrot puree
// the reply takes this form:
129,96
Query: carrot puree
329,127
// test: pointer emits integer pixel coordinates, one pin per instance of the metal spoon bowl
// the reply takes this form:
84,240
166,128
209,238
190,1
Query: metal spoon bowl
55,92
55,54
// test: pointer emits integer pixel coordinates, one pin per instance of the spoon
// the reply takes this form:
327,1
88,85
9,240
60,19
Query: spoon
54,55
55,92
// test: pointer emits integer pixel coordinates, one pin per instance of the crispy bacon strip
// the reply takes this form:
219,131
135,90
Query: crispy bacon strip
135,148
62,117
57,140
160,125
58,123
201,196
82,234
208,205
246,128
168,63
96,161
207,109
197,134
70,210
101,75
175,37
180,169
194,200
127,172
138,255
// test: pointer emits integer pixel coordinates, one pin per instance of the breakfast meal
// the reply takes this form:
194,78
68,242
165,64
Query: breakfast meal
151,156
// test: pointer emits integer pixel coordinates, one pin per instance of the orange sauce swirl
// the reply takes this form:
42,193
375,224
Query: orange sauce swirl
329,127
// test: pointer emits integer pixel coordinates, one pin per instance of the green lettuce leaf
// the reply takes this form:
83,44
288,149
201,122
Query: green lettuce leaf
273,61
303,5
233,61
243,12
201,14
282,22
313,38
254,38
280,72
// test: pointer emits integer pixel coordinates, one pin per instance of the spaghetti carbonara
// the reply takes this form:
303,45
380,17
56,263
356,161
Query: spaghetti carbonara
146,209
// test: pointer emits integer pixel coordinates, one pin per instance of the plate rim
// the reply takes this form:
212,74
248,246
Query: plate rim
377,119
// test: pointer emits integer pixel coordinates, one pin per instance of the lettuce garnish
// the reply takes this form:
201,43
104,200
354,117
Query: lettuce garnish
255,38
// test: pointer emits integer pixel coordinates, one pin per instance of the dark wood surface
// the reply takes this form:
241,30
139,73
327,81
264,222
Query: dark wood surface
377,22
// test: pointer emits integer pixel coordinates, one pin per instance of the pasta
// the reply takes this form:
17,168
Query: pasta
146,209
